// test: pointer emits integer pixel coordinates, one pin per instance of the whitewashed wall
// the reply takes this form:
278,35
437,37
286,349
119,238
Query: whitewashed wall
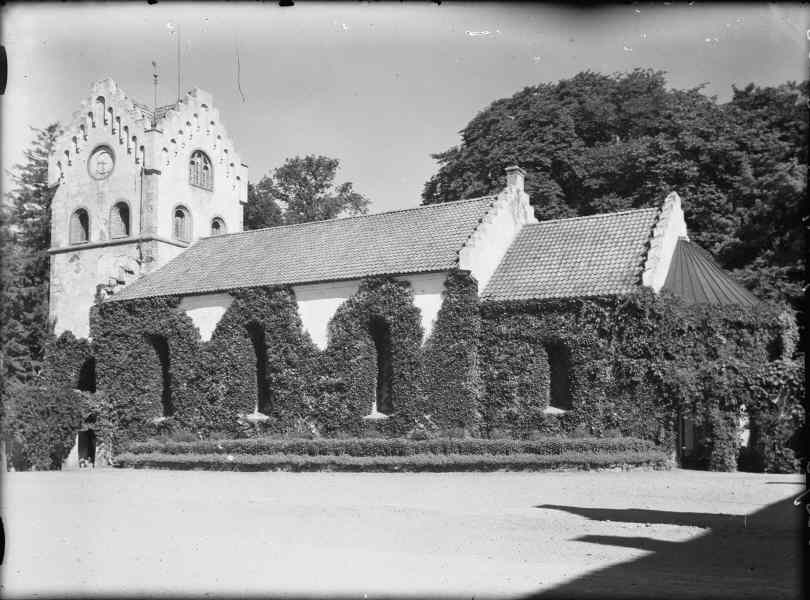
671,226
485,249
317,304
206,311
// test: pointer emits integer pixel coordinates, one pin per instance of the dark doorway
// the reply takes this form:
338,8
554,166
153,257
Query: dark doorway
87,376
87,448
256,333
693,452
381,335
161,346
558,367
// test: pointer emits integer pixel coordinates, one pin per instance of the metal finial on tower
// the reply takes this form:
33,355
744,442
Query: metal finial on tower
154,102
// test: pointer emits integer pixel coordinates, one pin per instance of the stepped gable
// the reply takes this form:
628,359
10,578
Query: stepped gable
107,107
417,240
582,256
189,122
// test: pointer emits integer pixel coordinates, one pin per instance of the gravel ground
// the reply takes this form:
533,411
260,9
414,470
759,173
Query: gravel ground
572,534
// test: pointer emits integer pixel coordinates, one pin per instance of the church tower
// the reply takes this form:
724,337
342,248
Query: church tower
136,187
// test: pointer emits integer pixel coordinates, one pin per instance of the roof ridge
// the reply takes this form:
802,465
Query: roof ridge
387,212
580,217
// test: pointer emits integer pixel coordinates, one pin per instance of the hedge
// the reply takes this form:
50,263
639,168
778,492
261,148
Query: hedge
395,446
420,462
225,374
386,305
40,423
778,440
451,379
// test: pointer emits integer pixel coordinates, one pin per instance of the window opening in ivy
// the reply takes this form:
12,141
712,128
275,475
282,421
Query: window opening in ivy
558,367
87,376
381,336
256,333
161,347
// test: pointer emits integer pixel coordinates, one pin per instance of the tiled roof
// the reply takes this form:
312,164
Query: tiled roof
584,256
407,241
695,277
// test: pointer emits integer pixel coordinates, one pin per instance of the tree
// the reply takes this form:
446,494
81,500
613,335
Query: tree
598,143
261,209
25,234
305,188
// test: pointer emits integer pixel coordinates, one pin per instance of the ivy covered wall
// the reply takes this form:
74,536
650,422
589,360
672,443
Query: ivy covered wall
634,365
629,366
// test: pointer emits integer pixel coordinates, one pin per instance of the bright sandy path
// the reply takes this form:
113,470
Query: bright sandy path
674,534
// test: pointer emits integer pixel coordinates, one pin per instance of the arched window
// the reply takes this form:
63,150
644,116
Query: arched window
119,220
79,227
558,368
199,170
182,224
256,334
217,226
161,348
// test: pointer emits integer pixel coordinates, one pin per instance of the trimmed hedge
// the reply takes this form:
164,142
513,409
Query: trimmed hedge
396,446
451,379
420,462
69,363
40,423
127,337
225,373
351,358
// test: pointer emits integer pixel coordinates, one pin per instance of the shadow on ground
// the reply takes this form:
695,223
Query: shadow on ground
753,556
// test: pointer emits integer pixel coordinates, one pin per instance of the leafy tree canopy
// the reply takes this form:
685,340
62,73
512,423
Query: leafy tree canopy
301,190
25,236
598,143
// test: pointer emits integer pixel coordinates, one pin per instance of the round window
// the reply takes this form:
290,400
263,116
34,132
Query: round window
101,163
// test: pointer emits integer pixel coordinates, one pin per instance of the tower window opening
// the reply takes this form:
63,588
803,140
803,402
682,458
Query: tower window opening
182,224
79,227
119,220
199,170
217,226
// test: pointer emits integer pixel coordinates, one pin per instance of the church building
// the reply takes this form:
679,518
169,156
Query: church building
469,317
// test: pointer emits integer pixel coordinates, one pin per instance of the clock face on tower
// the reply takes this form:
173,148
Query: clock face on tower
101,162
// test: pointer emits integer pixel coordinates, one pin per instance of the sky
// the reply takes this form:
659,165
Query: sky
380,86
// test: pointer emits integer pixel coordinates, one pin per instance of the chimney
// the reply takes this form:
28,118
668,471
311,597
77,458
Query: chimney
515,177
